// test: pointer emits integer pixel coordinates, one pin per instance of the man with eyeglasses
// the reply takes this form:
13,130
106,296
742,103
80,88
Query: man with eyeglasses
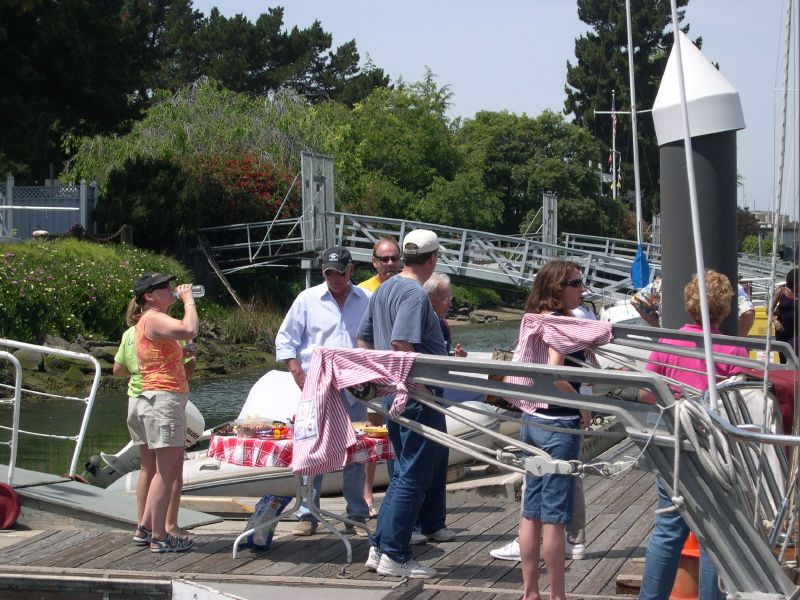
385,261
327,315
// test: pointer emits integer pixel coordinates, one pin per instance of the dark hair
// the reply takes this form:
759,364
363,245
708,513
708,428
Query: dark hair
417,259
546,295
791,280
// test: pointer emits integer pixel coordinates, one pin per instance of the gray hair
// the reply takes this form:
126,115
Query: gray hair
436,282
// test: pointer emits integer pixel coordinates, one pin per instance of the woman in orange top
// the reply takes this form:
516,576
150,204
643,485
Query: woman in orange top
157,420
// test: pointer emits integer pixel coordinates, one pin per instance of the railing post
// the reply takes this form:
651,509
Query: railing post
9,214
84,212
93,196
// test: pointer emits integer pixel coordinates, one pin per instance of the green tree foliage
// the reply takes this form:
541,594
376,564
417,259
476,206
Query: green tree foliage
396,156
203,156
750,245
746,226
89,67
602,66
520,157
64,67
181,45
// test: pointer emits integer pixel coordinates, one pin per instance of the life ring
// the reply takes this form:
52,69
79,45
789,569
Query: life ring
9,506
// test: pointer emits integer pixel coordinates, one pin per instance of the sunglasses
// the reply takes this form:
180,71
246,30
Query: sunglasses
160,286
386,259
575,283
333,273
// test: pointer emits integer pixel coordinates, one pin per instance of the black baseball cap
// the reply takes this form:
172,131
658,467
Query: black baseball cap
148,282
337,258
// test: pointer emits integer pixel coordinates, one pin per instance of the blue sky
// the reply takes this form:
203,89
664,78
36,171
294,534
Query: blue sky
512,54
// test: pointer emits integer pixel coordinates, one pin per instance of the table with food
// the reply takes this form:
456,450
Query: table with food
255,442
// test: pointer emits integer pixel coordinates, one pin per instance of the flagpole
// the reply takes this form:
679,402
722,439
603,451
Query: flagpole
613,145
633,127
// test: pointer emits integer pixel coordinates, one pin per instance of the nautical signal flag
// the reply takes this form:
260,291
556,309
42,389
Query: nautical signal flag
613,116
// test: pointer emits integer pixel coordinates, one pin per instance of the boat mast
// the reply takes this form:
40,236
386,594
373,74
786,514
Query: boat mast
633,128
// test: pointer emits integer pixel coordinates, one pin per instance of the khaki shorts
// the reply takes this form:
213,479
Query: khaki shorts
158,419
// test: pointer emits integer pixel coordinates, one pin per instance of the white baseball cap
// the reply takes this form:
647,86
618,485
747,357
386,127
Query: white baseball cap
420,241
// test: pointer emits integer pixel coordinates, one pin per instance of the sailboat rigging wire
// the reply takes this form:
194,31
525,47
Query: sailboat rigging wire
698,243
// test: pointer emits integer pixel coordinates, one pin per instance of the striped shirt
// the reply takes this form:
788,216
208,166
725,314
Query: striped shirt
322,431
538,333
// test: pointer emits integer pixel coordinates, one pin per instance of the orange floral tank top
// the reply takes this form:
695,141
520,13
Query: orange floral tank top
160,362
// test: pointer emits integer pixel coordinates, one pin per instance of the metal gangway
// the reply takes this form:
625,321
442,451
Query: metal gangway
499,260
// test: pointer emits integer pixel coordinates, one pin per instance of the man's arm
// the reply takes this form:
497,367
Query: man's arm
365,345
297,372
402,346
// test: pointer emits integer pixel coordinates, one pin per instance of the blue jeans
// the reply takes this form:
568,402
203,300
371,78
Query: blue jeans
663,553
433,512
550,498
352,479
415,459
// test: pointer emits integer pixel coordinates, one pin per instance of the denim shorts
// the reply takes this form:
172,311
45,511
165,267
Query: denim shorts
549,499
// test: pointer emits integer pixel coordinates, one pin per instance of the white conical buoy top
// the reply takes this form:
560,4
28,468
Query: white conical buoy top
713,103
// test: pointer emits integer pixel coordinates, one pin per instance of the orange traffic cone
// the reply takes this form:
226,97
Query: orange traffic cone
685,587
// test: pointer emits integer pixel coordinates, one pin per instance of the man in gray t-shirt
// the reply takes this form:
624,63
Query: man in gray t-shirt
400,317
400,310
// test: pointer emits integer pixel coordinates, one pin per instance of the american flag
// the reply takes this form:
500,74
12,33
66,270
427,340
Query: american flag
613,116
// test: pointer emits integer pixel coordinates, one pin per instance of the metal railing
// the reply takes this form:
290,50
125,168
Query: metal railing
88,401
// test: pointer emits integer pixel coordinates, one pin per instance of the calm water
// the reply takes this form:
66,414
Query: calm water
219,401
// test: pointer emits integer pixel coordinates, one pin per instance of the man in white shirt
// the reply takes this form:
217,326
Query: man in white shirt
327,315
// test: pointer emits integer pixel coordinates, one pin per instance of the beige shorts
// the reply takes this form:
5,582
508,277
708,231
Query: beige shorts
158,419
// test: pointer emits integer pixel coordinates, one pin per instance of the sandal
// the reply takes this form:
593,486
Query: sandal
142,536
373,513
170,544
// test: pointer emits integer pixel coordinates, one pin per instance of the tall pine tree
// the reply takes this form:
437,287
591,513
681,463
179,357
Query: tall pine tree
602,66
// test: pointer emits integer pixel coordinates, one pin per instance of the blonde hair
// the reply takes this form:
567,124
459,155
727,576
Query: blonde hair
719,292
133,313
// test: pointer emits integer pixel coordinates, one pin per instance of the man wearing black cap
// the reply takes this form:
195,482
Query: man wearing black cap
327,315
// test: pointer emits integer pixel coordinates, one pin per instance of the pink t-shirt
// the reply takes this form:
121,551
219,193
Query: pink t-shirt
671,365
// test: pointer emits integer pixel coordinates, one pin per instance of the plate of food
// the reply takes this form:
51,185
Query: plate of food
376,432
358,427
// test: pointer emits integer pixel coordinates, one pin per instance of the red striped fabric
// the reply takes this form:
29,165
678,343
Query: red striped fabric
538,333
323,439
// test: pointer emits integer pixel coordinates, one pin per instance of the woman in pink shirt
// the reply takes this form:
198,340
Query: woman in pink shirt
670,531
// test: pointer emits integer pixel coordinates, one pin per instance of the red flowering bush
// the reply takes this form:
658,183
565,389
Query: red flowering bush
253,189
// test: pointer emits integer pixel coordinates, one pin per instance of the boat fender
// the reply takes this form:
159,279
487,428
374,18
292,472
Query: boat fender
9,506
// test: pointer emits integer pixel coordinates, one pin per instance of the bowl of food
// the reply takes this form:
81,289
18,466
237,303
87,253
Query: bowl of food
376,432
250,428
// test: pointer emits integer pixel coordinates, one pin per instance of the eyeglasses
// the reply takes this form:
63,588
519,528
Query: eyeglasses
333,273
386,259
576,283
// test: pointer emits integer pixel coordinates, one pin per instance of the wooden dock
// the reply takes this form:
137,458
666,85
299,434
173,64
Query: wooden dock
620,514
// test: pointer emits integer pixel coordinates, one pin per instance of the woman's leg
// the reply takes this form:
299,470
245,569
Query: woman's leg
174,505
169,462
530,531
553,552
146,473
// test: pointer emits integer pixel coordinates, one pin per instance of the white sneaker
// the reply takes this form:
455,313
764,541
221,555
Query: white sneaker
443,535
574,551
411,569
373,559
508,552
417,538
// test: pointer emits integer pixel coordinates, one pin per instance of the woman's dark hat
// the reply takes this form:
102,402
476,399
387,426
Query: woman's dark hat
150,281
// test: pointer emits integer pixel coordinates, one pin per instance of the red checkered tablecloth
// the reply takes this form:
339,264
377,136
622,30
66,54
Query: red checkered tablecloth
258,452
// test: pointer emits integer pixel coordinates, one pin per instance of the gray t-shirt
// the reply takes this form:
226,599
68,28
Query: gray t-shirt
400,310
